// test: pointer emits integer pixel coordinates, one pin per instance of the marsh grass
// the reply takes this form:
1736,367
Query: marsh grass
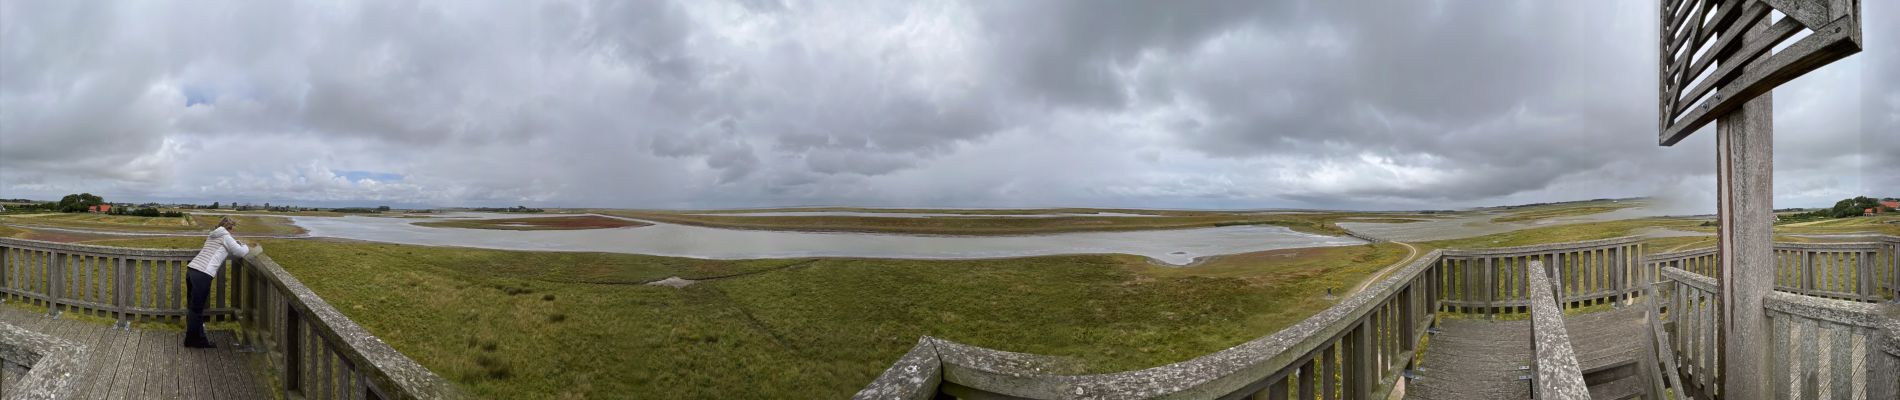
510,324
1565,211
247,224
576,222
977,224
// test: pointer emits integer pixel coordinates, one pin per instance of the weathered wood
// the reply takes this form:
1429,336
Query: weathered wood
1745,157
127,370
1660,349
1474,359
105,365
1559,376
1747,67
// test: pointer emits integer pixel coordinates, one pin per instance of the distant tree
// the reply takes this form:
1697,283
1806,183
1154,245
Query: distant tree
79,202
382,208
1853,207
214,205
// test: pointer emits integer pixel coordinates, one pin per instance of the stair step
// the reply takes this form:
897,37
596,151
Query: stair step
1627,388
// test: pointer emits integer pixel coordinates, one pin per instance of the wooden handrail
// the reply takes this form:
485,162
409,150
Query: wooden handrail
1558,374
1480,281
55,367
312,347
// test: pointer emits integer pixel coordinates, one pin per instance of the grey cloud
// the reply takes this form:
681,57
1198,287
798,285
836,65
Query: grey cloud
1243,104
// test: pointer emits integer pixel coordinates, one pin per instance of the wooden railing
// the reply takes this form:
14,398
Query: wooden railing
1558,375
1846,271
1861,271
1358,348
314,350
52,365
1824,347
1832,349
1702,261
1494,281
1694,309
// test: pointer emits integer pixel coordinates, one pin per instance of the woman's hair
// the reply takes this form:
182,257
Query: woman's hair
227,223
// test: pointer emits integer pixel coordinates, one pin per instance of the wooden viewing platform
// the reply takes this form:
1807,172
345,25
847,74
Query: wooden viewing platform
1476,359
289,343
143,363
1642,326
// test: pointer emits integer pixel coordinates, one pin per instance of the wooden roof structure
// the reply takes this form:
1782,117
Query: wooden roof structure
1709,70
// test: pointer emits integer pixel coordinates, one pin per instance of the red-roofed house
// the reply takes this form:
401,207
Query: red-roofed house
100,208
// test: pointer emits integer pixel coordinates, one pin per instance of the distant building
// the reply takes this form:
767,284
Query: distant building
102,208
1893,204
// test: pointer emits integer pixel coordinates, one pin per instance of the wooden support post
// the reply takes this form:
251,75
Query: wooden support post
1358,362
1328,367
55,278
119,291
1489,286
1807,272
1406,317
6,270
1745,172
1864,263
1306,379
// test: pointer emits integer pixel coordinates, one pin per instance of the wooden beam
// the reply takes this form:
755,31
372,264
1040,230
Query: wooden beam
1745,180
1827,44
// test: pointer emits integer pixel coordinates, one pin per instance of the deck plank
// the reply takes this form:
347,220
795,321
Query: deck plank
87,335
224,367
156,365
105,350
125,384
1475,358
1472,359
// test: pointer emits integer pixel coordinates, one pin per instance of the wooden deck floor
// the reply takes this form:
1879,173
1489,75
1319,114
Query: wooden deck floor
1481,359
148,364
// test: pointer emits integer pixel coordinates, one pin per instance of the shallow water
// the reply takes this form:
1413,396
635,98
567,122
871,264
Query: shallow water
914,215
1176,247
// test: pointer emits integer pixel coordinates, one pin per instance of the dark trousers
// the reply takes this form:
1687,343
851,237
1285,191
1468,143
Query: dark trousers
199,288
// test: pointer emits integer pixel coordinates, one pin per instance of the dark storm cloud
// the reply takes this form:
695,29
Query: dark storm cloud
1245,104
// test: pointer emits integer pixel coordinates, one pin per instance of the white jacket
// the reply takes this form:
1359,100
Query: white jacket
219,246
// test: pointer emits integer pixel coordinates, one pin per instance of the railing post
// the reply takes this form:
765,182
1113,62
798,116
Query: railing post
293,352
1893,266
119,293
1405,319
1864,263
1489,286
6,273
56,273
1807,272
1358,362
1328,367
1305,386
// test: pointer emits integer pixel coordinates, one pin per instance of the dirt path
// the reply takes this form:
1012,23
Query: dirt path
1412,254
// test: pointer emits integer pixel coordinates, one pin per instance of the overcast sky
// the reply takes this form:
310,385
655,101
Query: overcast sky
1009,103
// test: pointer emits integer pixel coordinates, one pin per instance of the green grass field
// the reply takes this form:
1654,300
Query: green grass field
576,222
1564,211
1317,222
1566,233
247,224
1884,223
536,325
